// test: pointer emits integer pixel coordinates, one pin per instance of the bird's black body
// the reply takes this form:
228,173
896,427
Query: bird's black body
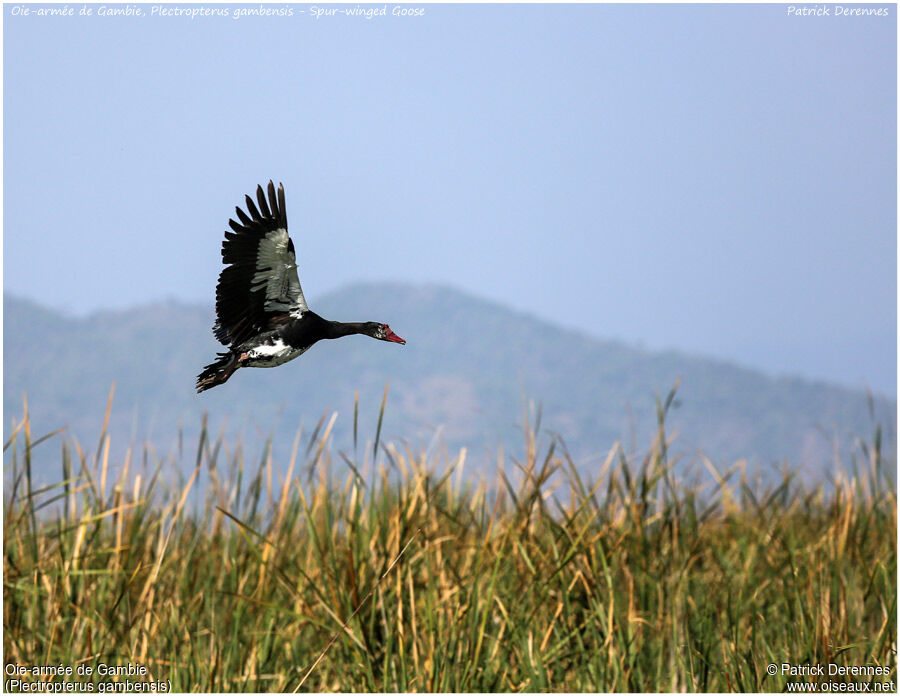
261,312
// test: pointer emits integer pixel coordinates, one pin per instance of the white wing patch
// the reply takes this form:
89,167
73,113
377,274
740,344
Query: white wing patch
270,349
272,354
276,271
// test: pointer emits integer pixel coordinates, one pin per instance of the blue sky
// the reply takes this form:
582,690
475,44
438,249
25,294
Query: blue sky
715,179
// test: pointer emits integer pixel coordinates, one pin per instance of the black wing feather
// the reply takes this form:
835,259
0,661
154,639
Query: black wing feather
242,217
264,209
282,208
254,213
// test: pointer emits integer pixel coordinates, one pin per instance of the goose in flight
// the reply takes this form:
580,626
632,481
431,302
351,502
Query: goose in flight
261,313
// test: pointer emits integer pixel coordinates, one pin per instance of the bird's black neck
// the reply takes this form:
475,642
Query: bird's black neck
337,329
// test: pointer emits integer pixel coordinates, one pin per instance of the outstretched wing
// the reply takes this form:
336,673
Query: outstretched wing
259,285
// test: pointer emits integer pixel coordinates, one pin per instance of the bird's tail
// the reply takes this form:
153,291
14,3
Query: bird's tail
218,372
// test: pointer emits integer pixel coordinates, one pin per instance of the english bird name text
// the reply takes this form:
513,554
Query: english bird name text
317,12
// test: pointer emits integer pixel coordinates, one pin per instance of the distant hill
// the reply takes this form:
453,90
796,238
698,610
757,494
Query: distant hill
466,367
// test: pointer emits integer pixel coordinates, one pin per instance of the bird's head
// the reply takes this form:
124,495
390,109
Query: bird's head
383,333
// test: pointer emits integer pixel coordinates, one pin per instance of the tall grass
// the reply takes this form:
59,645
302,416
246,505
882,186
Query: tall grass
405,575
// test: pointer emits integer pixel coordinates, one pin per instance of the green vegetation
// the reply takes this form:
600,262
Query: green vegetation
402,575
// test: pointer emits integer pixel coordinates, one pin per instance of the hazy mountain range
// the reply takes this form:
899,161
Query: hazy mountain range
464,375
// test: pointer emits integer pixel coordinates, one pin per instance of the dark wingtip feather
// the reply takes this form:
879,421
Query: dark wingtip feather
251,208
273,202
263,206
281,207
242,216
